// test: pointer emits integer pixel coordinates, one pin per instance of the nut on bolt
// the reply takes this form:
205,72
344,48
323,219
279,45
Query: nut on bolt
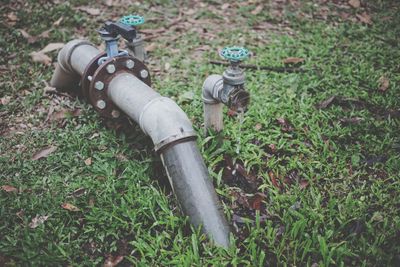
130,64
115,113
99,85
101,104
110,68
144,74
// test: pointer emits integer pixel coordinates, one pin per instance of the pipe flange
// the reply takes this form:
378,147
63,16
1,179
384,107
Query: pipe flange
88,74
101,78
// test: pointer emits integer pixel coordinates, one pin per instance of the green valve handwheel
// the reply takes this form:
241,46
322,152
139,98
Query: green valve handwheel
132,20
235,53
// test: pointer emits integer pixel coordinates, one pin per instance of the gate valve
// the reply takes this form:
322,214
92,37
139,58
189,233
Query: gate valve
135,45
233,93
110,33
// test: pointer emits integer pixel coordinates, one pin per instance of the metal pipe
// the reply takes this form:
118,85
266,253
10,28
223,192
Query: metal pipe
194,190
169,128
72,61
219,90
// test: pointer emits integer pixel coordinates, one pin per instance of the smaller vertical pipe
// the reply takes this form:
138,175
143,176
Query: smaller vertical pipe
213,117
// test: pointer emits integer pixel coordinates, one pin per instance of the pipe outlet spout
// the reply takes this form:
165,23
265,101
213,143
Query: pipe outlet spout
226,89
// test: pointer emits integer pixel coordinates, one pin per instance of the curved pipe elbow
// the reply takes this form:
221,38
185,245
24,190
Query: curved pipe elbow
211,87
165,122
71,63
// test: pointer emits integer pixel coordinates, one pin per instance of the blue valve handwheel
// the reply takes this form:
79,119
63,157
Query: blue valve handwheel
132,20
235,53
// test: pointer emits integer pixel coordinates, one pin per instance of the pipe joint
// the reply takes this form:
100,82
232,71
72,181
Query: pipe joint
211,89
165,122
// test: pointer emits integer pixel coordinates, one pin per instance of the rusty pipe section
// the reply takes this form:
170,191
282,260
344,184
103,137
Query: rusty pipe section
170,130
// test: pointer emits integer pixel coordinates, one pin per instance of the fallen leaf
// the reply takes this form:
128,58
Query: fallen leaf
57,22
303,184
273,180
364,18
203,48
293,60
285,126
90,10
258,126
272,147
112,261
9,188
5,100
38,220
62,114
12,17
167,66
88,161
257,10
69,207
44,152
45,34
31,39
225,6
354,3
326,102
40,58
256,200
151,47
51,47
79,192
384,83
353,120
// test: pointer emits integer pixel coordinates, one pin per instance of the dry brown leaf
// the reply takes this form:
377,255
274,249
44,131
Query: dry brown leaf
225,6
383,83
9,188
256,200
64,114
293,60
5,100
79,192
31,39
203,48
90,10
364,18
40,58
12,17
258,126
70,207
303,184
57,22
352,120
112,261
45,34
88,161
51,47
151,47
38,220
354,3
43,153
326,102
109,2
257,10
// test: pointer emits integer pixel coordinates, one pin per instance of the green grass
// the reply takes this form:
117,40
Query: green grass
331,187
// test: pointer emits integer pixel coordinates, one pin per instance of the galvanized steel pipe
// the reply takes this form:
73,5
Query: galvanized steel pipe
170,130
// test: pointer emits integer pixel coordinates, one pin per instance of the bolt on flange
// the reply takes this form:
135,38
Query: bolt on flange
101,104
144,74
99,85
110,68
